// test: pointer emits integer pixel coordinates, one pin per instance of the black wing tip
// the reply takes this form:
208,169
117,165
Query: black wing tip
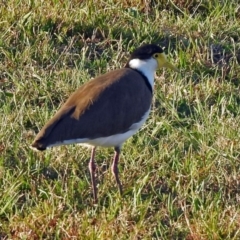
38,146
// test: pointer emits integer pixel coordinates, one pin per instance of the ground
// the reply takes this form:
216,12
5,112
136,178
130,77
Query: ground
180,173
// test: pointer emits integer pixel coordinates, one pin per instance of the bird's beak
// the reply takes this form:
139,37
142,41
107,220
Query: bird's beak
163,62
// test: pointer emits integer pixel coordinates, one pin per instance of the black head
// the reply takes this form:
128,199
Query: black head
146,51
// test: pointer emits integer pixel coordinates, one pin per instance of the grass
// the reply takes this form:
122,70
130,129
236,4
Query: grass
180,172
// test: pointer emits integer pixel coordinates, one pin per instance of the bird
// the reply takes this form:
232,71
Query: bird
107,110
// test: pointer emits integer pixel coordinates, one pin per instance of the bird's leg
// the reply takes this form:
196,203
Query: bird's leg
115,168
92,168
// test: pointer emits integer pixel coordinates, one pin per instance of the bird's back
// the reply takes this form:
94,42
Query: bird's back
100,108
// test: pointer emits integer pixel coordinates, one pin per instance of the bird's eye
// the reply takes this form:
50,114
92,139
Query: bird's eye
156,55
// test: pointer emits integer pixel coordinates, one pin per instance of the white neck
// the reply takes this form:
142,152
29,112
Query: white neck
147,67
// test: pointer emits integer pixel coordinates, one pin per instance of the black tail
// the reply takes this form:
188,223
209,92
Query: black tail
39,146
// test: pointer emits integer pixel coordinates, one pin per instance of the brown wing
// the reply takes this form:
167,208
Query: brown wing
99,108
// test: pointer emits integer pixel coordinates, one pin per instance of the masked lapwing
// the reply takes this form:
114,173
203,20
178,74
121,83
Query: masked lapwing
107,110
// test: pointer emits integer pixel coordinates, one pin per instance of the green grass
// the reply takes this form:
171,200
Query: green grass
180,173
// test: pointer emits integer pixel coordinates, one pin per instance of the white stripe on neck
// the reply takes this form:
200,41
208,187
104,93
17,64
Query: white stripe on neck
147,67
